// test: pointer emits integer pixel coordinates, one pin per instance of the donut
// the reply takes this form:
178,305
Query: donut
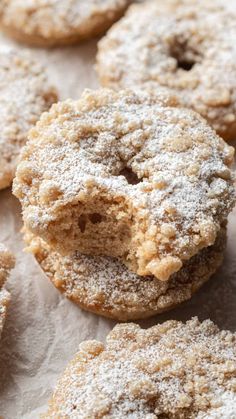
126,175
172,370
188,46
4,303
54,22
24,95
7,262
105,286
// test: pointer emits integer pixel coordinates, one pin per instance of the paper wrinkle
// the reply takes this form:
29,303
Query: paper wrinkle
43,329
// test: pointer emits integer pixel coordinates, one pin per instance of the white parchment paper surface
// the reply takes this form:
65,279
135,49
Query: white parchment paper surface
43,329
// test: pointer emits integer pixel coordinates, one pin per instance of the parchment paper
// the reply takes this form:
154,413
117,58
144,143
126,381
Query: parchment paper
43,329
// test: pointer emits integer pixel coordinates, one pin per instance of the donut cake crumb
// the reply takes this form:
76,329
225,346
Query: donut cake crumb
55,22
127,175
187,46
172,370
7,262
106,287
24,94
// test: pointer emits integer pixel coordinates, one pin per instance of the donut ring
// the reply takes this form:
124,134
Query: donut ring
24,94
171,370
7,262
105,286
186,46
54,22
126,175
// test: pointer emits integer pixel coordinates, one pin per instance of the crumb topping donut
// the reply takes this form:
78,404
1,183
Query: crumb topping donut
106,287
55,22
24,95
7,262
126,175
4,303
187,46
172,370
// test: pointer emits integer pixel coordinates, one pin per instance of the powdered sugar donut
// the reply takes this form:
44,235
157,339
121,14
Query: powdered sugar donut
187,46
24,94
55,22
126,175
4,303
7,262
172,370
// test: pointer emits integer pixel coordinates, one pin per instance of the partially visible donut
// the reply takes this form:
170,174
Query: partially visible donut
4,303
57,22
187,46
126,175
106,287
172,370
7,262
25,94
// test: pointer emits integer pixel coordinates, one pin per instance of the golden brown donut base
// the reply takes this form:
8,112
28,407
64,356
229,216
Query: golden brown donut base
104,286
99,26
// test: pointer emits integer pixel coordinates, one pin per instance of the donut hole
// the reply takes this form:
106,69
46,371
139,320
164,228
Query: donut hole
185,57
130,176
185,65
